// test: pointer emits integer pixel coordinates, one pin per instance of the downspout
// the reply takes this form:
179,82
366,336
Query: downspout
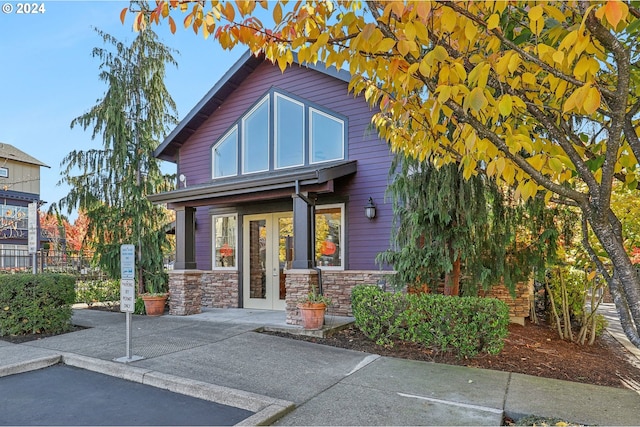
310,202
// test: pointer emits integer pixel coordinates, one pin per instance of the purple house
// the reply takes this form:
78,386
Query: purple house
275,173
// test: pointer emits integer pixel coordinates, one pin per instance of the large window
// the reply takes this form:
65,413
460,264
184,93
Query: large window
255,139
289,132
225,241
329,236
225,155
327,137
279,132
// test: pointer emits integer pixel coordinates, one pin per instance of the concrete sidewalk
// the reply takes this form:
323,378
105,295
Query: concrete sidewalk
292,382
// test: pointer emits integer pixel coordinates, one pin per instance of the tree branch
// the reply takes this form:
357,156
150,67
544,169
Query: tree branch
512,46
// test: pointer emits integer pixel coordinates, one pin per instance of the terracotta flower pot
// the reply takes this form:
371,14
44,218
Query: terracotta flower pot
154,304
312,315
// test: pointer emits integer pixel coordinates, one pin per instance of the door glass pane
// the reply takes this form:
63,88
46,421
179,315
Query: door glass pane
256,139
328,237
225,156
327,138
285,251
289,133
258,259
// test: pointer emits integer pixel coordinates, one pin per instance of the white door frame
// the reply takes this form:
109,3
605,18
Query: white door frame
272,300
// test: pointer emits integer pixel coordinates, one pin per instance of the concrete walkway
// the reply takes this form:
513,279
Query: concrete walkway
218,356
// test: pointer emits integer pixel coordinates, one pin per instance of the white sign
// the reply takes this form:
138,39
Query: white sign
127,295
127,261
32,225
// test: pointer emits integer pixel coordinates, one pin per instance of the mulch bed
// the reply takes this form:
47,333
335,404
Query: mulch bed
530,349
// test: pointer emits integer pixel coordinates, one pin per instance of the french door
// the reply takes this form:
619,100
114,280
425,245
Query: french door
265,246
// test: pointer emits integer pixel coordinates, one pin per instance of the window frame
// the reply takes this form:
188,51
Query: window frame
213,242
241,137
4,172
220,140
310,135
309,108
305,138
342,207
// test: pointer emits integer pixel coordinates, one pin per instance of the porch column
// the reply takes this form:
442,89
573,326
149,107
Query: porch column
185,238
303,216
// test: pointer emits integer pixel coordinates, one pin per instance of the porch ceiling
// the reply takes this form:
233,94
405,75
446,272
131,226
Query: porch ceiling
258,183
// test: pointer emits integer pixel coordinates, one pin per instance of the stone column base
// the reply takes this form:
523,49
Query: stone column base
185,292
298,283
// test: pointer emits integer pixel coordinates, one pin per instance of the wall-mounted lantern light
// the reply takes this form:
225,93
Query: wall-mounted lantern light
370,209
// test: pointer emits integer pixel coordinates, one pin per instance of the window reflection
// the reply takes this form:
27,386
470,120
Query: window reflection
329,237
225,155
225,232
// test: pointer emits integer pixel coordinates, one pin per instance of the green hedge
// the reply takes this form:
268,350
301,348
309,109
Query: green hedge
465,325
36,304
106,292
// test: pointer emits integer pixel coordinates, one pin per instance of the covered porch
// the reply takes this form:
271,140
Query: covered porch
251,203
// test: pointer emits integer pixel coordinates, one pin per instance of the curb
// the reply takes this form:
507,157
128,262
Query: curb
31,365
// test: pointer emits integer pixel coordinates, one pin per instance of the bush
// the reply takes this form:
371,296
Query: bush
36,303
102,291
464,325
378,314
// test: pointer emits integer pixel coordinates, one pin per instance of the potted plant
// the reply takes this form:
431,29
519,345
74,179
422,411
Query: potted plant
156,296
312,309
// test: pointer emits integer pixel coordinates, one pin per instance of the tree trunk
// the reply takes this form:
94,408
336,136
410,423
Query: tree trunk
452,279
624,283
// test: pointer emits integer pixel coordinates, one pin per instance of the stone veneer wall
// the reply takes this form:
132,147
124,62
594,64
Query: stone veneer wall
192,289
220,289
338,284
185,292
299,283
520,306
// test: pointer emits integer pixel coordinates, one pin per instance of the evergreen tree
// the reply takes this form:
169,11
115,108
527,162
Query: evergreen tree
111,184
467,233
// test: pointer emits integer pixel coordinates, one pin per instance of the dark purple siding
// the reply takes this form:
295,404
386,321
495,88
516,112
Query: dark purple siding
365,238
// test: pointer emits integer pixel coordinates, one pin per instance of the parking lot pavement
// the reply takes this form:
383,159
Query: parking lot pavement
66,395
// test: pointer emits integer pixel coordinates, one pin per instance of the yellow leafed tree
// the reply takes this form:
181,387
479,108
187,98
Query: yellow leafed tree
542,95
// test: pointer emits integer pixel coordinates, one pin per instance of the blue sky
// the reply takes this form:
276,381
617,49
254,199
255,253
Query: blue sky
48,76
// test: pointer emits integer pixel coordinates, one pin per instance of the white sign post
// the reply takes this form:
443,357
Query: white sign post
32,226
127,294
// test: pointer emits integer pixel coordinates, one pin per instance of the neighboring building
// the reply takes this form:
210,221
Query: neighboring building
276,170
19,186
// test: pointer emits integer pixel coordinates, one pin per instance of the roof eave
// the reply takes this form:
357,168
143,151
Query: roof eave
319,175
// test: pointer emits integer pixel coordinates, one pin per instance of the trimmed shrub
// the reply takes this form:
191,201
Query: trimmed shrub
106,292
378,314
465,325
36,303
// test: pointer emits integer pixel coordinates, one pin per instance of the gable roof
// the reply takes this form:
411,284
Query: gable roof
8,151
231,80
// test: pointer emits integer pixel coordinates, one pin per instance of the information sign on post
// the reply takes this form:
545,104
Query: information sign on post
128,294
127,261
32,227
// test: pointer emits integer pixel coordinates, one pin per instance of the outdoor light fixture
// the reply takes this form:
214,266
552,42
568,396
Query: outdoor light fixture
370,209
